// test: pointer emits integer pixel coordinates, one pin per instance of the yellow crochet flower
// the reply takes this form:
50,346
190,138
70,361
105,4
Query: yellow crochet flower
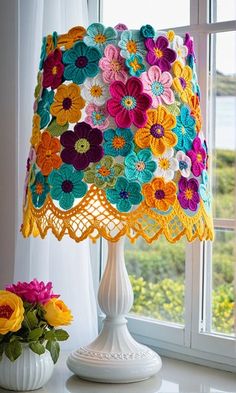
11,312
36,134
170,35
160,194
183,80
75,34
57,313
157,133
67,104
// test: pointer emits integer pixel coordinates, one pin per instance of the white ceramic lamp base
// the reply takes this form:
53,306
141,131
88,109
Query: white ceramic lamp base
115,357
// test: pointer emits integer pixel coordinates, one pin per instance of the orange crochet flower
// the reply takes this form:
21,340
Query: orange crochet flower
36,134
183,80
160,194
157,133
67,104
47,158
196,111
75,34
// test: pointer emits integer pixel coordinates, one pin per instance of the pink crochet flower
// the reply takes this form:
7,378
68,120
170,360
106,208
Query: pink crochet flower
113,65
159,53
97,116
198,157
33,292
157,85
128,103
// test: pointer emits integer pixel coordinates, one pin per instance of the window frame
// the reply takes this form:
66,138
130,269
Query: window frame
189,342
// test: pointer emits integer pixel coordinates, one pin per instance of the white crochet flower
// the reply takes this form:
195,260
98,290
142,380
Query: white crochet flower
184,163
180,48
166,165
95,91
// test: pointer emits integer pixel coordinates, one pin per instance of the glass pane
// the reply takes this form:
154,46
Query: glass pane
223,10
157,273
223,290
134,14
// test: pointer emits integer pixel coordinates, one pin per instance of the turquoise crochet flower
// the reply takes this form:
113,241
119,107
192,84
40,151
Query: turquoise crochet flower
43,53
131,43
140,166
147,31
66,185
43,109
204,190
135,65
118,142
99,36
81,62
185,130
39,190
125,194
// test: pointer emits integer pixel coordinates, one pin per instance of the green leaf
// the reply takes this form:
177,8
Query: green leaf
37,348
35,334
1,337
54,349
57,130
13,350
50,335
32,319
61,335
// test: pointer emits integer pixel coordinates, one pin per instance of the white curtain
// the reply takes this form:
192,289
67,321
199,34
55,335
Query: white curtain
65,263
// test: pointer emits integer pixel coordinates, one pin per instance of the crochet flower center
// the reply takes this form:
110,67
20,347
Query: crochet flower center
96,91
188,193
115,65
124,194
6,311
183,130
157,130
182,82
183,165
157,88
67,102
164,163
39,188
100,38
140,166
128,102
54,70
159,194
199,157
104,171
67,186
81,62
158,53
48,153
82,145
118,142
131,46
135,65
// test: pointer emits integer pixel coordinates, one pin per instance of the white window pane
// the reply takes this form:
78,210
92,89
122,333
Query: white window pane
223,10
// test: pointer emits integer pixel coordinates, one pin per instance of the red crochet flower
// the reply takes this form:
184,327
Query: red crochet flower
53,70
159,54
128,103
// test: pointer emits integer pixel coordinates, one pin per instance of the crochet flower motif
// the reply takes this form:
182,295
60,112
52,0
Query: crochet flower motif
44,107
167,164
81,146
113,65
157,84
66,185
204,190
104,173
135,65
67,104
47,153
159,54
36,134
131,43
30,162
53,70
147,31
81,62
188,193
75,34
184,163
128,103
124,194
185,129
118,142
196,111
198,157
157,132
99,36
95,91
160,194
188,42
180,49
97,116
140,166
39,190
182,82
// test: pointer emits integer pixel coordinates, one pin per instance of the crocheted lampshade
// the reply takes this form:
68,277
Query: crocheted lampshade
117,147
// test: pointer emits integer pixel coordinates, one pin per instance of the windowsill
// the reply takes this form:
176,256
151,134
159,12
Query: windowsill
176,376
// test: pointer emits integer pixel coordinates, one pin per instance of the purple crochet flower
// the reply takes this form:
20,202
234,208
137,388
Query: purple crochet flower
159,54
82,146
198,157
189,43
188,193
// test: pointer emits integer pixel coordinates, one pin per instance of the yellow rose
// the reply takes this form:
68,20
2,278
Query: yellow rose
11,312
57,313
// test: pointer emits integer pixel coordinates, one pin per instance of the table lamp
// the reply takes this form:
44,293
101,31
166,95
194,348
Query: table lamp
117,150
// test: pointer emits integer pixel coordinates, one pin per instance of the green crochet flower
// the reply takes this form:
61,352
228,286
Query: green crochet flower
44,107
39,190
125,194
104,173
147,31
66,185
140,166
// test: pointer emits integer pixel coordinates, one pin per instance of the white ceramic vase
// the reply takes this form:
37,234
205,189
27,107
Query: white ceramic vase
29,372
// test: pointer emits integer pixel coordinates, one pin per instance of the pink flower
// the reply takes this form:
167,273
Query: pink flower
157,85
198,157
33,292
97,116
188,195
113,65
159,53
128,103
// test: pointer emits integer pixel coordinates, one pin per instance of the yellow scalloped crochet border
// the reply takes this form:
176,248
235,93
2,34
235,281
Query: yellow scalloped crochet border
94,216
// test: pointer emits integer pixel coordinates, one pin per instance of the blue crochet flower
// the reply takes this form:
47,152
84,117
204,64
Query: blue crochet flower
39,190
118,142
135,65
43,109
204,190
81,62
140,166
124,194
99,36
131,43
185,130
66,185
147,31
